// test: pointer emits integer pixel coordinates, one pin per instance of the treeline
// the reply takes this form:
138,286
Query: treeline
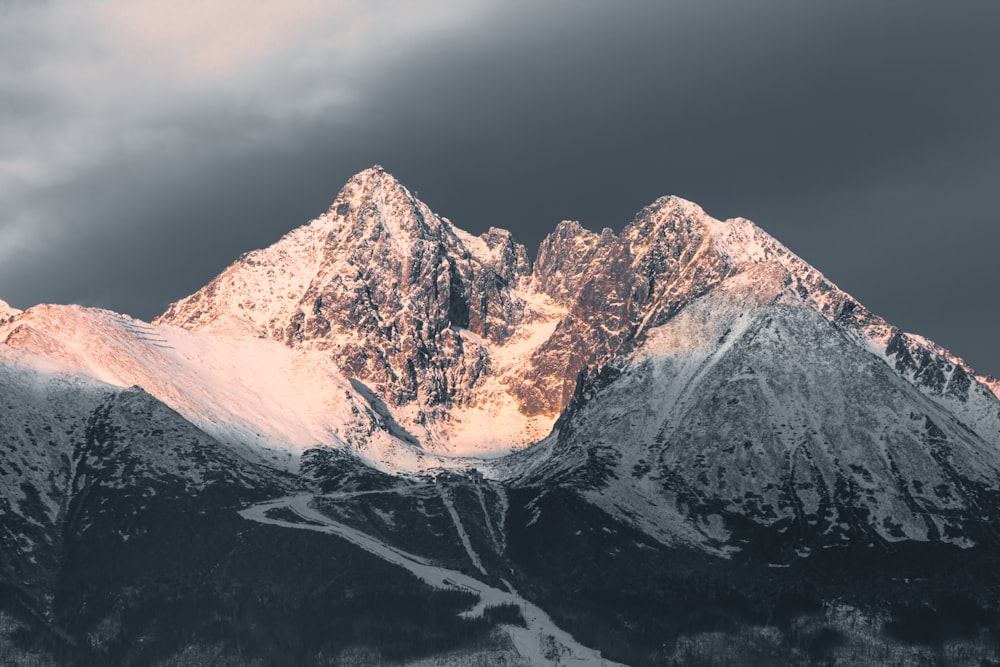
643,604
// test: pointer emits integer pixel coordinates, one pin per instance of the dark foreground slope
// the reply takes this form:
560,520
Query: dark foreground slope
121,544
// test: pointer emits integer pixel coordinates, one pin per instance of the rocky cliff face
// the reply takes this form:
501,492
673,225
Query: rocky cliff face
384,285
613,287
448,328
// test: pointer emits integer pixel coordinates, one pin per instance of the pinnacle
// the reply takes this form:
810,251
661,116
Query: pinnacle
375,173
368,181
570,228
675,204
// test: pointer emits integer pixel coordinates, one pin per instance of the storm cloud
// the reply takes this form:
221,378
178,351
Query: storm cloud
145,145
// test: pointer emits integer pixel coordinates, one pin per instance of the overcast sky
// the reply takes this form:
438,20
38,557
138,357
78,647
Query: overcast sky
144,145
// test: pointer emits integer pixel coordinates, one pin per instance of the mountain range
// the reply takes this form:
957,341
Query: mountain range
384,439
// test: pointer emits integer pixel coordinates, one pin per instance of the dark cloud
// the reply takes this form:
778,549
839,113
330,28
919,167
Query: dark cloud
865,136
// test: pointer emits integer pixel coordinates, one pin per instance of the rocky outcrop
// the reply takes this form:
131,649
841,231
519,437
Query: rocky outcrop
614,287
384,284
751,418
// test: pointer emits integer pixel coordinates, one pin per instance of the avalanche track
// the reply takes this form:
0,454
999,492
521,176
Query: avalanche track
541,643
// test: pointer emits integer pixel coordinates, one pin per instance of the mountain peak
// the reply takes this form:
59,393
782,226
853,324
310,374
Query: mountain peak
567,228
670,211
678,205
374,205
375,175
373,187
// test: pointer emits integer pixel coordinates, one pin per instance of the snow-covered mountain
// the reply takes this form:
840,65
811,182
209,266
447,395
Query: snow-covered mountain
265,401
749,384
383,329
749,404
443,325
429,318
686,385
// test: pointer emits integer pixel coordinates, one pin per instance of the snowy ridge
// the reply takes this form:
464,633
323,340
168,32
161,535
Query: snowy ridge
742,245
724,249
749,403
267,401
937,372
67,438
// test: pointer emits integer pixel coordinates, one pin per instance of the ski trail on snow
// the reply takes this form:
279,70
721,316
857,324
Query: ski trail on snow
542,642
459,528
504,507
487,518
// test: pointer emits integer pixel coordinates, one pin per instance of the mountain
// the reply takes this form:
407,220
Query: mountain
750,405
675,443
418,311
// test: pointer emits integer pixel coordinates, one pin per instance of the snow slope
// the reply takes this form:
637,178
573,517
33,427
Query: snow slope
541,642
66,438
749,403
265,400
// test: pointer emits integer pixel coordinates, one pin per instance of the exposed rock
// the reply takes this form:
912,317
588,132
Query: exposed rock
383,284
393,291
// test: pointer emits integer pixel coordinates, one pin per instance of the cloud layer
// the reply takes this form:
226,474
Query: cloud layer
144,145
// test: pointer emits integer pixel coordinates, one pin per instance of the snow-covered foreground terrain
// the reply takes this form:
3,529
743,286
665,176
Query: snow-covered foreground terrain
541,643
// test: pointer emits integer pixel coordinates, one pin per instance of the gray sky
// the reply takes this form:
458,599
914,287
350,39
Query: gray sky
144,145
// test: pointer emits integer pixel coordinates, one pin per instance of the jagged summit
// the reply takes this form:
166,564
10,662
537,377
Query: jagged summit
453,329
376,172
673,205
383,205
403,301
